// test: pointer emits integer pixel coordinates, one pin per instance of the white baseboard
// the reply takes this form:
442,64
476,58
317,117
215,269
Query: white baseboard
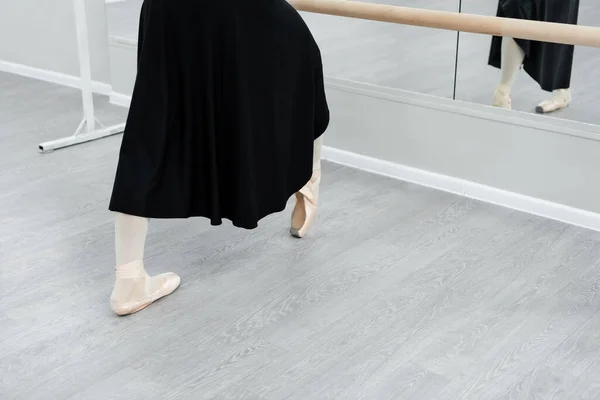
119,99
51,76
531,205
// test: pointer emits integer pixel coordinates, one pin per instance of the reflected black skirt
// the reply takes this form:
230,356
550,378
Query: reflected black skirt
549,64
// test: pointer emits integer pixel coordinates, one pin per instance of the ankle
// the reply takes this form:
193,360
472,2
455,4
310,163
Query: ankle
563,95
504,89
131,270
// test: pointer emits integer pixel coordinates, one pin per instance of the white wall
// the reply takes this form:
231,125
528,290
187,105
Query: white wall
41,34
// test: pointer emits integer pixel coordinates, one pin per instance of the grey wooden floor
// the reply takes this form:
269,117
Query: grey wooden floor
421,59
400,292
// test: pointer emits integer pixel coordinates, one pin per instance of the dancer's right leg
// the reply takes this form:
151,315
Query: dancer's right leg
307,198
134,289
512,59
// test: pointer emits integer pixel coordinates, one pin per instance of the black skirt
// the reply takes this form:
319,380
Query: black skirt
227,103
549,64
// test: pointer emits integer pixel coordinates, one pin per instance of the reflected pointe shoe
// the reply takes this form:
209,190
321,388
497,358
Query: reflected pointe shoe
502,97
135,290
305,210
561,98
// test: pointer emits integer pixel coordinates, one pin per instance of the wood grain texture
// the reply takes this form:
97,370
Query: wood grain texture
399,292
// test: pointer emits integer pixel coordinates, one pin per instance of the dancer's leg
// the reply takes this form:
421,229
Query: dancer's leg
134,289
316,177
317,150
512,59
130,238
307,198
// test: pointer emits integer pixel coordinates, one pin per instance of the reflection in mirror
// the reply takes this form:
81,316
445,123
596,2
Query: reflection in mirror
401,57
123,18
544,78
395,56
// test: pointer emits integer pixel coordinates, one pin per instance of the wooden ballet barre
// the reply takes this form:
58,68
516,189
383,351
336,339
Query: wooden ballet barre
521,29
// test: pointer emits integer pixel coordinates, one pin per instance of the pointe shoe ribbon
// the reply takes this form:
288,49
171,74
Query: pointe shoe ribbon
135,290
561,99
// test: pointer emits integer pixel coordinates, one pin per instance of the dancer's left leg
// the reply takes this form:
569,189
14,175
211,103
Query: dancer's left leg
134,289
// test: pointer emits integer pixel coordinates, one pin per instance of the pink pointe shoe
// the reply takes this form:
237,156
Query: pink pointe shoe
561,98
502,97
305,210
135,290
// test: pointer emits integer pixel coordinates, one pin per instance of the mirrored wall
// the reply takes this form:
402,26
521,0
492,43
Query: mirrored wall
446,64
123,18
403,57
554,80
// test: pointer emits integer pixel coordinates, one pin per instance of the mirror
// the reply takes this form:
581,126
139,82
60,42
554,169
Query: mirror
123,18
394,56
423,60
555,80
410,58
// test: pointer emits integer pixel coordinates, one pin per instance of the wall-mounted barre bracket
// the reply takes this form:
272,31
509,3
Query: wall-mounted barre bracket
454,21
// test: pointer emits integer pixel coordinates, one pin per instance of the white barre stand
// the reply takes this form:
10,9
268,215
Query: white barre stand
86,132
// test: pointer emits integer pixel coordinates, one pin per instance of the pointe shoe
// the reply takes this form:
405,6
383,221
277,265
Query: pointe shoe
502,97
305,210
135,290
561,98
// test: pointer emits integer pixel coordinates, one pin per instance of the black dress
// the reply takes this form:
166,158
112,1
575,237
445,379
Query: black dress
227,103
549,64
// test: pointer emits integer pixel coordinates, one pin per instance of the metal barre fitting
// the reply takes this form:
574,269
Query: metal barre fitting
521,29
